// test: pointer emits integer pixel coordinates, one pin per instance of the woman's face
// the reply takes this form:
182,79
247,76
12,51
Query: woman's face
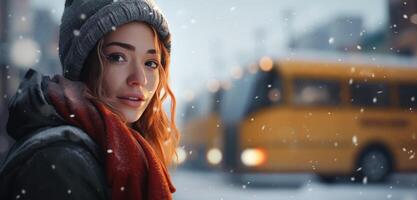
131,64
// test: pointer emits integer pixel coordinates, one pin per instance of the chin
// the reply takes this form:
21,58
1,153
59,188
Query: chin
131,116
131,119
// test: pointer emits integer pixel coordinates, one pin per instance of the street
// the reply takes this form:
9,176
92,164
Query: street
203,185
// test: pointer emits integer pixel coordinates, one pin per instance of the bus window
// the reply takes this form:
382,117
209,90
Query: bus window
316,92
267,91
408,95
370,94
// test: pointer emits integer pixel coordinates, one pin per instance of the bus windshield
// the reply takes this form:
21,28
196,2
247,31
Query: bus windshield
251,93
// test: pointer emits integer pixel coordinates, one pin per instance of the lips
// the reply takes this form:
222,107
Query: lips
132,100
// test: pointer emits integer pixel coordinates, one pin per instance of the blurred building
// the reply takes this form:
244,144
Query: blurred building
47,38
28,39
403,26
399,36
4,24
343,32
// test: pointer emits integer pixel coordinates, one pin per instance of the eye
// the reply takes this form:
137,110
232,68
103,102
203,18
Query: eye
152,64
116,58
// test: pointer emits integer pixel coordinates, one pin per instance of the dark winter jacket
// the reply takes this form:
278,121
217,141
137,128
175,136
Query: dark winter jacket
50,160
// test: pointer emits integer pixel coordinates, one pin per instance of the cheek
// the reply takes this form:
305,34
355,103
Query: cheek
111,81
153,81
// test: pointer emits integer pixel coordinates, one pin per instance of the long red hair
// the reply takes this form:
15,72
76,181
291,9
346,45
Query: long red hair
159,130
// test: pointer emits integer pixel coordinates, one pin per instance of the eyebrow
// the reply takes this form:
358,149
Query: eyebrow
128,47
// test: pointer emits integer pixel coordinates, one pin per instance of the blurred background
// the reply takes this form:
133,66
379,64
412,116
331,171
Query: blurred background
290,99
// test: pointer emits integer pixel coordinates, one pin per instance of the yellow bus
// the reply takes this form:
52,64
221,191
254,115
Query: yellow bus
201,132
341,117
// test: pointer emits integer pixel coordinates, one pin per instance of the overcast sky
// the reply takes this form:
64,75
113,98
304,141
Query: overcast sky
225,30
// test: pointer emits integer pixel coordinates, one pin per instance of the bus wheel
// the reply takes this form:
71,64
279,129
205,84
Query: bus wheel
374,165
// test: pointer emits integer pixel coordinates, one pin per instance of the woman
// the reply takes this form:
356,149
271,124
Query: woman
99,131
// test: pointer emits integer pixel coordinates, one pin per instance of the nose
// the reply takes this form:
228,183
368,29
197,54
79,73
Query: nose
137,76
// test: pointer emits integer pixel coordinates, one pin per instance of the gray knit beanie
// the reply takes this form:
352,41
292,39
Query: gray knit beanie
85,22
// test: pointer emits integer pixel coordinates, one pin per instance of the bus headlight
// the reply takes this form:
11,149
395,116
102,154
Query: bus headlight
181,156
253,157
214,156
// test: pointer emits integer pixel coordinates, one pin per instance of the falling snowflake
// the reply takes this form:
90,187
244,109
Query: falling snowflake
122,188
374,100
109,151
405,16
355,140
76,32
365,180
69,191
331,40
358,47
83,16
72,115
53,167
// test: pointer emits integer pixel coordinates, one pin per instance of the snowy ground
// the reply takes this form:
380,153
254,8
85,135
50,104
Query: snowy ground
217,186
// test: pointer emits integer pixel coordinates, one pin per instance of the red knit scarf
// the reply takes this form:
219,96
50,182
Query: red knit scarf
133,169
